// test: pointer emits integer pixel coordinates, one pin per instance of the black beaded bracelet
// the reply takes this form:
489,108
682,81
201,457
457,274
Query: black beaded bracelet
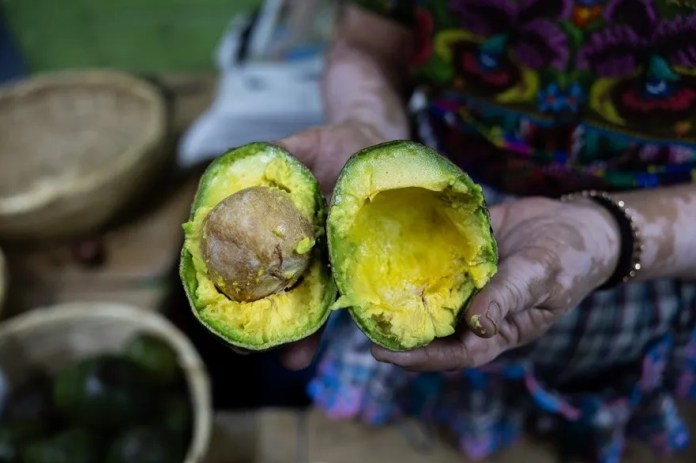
629,263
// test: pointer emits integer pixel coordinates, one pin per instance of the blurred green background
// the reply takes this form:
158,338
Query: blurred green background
137,35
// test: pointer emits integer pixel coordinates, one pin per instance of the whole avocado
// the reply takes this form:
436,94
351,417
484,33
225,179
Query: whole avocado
103,392
15,436
176,415
69,446
30,400
144,445
155,356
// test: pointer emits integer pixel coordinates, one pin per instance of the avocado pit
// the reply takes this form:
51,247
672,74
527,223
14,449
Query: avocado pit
256,243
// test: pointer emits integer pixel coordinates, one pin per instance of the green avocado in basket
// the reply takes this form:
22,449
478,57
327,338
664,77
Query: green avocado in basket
128,406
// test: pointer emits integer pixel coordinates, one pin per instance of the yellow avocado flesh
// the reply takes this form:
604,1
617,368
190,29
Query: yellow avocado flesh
278,318
410,243
414,263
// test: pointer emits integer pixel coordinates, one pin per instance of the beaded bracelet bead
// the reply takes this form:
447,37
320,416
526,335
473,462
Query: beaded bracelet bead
629,262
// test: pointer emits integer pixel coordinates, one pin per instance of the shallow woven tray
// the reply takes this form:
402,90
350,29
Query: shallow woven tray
48,338
76,147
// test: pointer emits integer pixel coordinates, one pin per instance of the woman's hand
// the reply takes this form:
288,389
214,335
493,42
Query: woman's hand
326,149
552,255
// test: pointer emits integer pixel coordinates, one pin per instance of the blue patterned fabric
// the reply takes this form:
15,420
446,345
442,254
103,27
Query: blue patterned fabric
548,97
608,371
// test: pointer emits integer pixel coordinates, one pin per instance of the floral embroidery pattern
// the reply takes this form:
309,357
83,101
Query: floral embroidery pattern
425,30
505,42
647,67
528,28
553,99
586,12
605,88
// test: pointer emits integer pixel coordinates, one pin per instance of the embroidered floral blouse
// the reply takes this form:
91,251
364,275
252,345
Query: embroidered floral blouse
554,95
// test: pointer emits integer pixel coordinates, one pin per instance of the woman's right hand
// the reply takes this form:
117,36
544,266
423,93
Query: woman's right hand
325,149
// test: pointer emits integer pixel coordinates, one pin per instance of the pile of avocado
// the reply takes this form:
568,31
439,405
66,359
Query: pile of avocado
404,244
123,407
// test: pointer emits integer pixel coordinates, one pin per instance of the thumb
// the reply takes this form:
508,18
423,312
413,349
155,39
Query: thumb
300,355
518,285
303,145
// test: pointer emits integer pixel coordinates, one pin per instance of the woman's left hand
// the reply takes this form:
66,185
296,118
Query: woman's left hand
552,255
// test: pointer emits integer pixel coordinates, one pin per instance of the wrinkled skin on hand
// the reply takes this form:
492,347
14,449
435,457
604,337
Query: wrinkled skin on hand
552,255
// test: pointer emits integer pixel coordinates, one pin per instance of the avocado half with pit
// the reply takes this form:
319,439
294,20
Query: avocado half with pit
410,243
254,263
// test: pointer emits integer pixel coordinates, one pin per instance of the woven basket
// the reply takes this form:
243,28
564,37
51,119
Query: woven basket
3,280
49,337
76,147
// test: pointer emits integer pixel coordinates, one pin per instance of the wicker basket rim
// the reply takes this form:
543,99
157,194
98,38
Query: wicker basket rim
3,279
190,360
155,132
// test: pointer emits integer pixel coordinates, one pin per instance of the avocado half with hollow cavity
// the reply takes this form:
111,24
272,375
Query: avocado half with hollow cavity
254,263
410,242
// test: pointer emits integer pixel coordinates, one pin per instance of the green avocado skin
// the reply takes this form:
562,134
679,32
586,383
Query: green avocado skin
156,357
369,154
103,392
144,445
70,446
14,436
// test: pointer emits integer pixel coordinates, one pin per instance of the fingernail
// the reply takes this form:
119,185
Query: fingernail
475,323
493,315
